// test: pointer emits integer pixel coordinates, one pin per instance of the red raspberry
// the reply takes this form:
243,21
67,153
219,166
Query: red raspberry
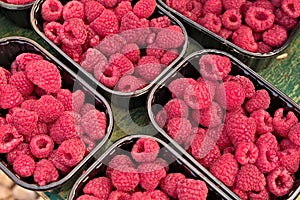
280,181
282,124
131,51
92,10
109,3
45,75
21,82
263,48
294,134
110,76
9,138
242,194
263,121
283,19
291,7
169,39
275,36
3,79
93,124
266,4
90,144
245,40
51,30
225,169
118,160
86,108
232,4
106,24
71,152
140,195
148,68
289,159
145,150
41,146
263,194
150,175
212,22
123,8
21,149
259,18
91,58
122,64
247,85
246,153
209,117
24,121
287,144
99,187
214,67
224,140
49,108
130,84
73,9
24,58
267,159
125,178
257,36
170,182
111,44
169,57
73,32
24,165
211,157
225,33
45,172
10,96
268,140
71,101
195,8
190,189
87,197
157,194
180,6
74,52
144,8
176,108
119,195
177,87
92,39
160,22
131,21
213,6
249,178
276,3
161,118
155,50
54,158
197,96
211,85
231,19
260,100
179,129
51,10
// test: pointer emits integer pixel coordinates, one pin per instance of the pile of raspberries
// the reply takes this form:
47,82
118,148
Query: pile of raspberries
46,130
225,123
114,40
143,176
256,26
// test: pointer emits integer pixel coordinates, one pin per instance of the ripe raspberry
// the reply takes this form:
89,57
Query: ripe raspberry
122,8
275,36
122,64
211,157
71,101
161,118
263,121
157,194
24,121
260,100
41,146
119,195
140,195
291,7
144,8
209,117
3,79
154,50
160,22
176,108
150,175
232,4
51,10
169,57
266,4
130,84
110,76
246,153
148,68
263,48
74,52
212,22
280,181
45,172
179,129
45,75
145,150
289,159
247,85
111,44
282,124
53,157
283,19
276,3
99,187
49,108
73,32
224,140
92,10
109,3
263,194
170,182
245,41
71,152
177,87
24,58
86,108
51,30
197,96
190,189
9,138
87,197
225,33
294,134
93,124
24,165
169,39
259,19
287,144
249,178
106,24
21,149
231,19
73,9
10,96
21,82
212,6
125,178
129,23
267,159
118,160
131,51
268,140
225,169
242,194
91,58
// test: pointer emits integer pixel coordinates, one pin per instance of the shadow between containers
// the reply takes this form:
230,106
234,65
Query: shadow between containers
10,47
120,99
160,95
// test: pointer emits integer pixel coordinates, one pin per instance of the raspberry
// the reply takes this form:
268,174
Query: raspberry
144,8
140,195
242,194
263,194
177,87
93,124
260,100
71,152
291,7
110,76
211,157
176,108
92,10
51,30
132,52
24,58
267,159
119,195
249,178
74,52
209,117
280,181
259,19
263,121
294,134
41,146
9,138
160,22
24,121
49,108
190,189
131,21
232,4
211,85
122,64
268,140
99,187
214,67
92,39
169,57
157,194
289,159
130,84
10,96
224,140
21,149
123,8
266,4
231,19
263,48
169,39
197,96
145,150
53,157
45,172
179,129
194,10
212,6
282,124
247,85
245,41
45,75
118,160
283,19
3,79
246,153
109,3
225,33
125,178
91,58
148,68
73,32
275,36
111,44
212,22
154,50
287,144
73,9
170,182
71,102
86,108
51,10
276,3
87,197
150,175
257,36
106,24
24,165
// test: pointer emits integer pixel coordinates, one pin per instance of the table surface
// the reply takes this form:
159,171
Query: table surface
284,73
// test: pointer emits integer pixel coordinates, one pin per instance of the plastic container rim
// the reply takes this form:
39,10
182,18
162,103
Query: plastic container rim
15,6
